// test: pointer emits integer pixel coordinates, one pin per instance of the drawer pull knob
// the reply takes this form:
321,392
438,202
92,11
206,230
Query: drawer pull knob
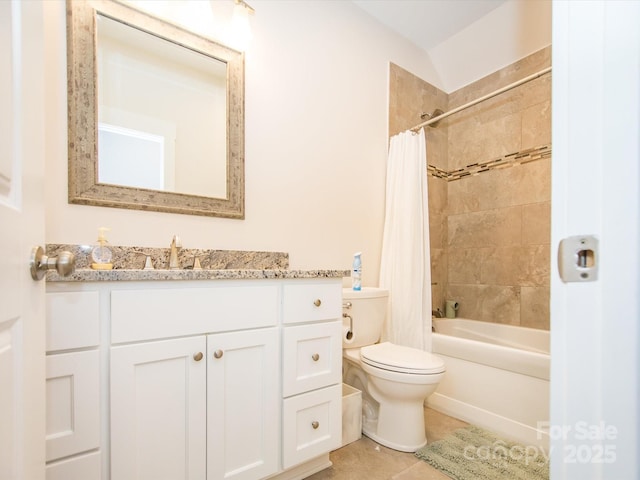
315,424
317,302
197,356
315,357
218,354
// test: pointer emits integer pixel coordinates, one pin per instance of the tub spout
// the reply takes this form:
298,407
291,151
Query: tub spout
437,313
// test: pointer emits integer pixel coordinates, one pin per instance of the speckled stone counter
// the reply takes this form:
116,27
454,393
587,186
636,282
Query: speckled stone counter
133,258
88,275
128,263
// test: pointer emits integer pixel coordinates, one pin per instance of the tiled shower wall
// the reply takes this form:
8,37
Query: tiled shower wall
489,204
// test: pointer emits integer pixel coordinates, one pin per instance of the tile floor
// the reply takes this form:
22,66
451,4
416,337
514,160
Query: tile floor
366,460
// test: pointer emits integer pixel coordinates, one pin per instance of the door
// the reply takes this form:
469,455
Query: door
22,327
158,410
595,325
243,402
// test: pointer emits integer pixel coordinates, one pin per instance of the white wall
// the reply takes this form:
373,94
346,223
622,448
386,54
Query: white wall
510,32
316,142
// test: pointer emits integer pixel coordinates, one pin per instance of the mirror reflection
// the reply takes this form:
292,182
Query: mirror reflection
156,114
159,102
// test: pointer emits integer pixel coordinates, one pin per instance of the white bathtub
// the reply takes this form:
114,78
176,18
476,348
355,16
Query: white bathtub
497,377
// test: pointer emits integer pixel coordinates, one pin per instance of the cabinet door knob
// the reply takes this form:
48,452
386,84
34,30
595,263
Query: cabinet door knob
197,356
315,424
315,357
317,302
218,354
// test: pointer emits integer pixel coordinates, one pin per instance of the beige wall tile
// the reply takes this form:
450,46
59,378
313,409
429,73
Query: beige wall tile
534,310
438,192
536,125
535,265
491,228
489,303
506,187
439,262
437,147
529,183
472,142
536,224
515,266
437,231
465,265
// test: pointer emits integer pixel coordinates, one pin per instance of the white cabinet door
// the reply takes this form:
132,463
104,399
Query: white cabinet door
73,405
158,410
243,405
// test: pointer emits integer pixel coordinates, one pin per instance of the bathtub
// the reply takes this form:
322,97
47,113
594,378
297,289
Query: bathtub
497,377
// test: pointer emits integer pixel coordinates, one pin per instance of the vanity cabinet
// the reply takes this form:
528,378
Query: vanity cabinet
205,404
233,379
201,406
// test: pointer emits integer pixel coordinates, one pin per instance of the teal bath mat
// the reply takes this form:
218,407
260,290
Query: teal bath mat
472,453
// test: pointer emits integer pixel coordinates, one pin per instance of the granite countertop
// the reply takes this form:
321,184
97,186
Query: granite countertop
128,263
88,275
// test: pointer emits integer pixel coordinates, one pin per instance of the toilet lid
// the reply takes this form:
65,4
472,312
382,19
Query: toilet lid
401,359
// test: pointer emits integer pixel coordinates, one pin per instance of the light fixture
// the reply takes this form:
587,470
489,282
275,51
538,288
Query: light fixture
240,34
250,10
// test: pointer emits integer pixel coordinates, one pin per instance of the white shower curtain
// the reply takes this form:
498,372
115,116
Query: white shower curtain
405,267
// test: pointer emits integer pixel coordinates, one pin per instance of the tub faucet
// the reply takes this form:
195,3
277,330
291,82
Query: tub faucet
176,245
437,313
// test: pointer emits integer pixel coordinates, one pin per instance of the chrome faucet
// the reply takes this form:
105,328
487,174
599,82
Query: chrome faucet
176,245
437,313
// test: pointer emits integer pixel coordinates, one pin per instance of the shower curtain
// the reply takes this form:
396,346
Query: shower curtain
405,267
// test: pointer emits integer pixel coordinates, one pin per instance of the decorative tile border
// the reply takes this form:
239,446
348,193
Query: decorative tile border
509,160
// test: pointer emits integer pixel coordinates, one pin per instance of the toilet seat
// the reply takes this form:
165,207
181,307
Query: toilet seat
401,359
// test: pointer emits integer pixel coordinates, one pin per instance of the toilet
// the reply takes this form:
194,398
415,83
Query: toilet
394,379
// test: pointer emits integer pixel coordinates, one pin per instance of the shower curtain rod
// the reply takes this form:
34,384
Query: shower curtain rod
481,99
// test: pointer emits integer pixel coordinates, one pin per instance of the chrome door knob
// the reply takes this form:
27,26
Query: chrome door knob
39,263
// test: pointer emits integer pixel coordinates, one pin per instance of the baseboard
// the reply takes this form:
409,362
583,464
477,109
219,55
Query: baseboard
508,428
304,470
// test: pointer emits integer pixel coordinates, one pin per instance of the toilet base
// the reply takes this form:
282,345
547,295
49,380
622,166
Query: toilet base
399,426
395,446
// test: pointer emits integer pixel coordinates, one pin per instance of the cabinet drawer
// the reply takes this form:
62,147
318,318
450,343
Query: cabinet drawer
73,406
312,357
72,320
162,313
312,302
312,425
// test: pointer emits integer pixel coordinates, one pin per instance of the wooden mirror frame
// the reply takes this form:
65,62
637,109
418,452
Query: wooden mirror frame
84,187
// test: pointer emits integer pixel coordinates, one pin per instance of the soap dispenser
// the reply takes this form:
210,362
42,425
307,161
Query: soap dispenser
101,254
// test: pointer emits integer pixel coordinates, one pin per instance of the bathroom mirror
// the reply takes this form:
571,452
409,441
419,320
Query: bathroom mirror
156,114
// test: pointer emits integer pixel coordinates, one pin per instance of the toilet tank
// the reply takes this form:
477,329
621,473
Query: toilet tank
368,311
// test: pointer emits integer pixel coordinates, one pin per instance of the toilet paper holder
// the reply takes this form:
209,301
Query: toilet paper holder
349,335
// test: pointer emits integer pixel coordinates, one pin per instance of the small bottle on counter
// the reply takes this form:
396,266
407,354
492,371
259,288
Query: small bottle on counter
101,254
356,272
